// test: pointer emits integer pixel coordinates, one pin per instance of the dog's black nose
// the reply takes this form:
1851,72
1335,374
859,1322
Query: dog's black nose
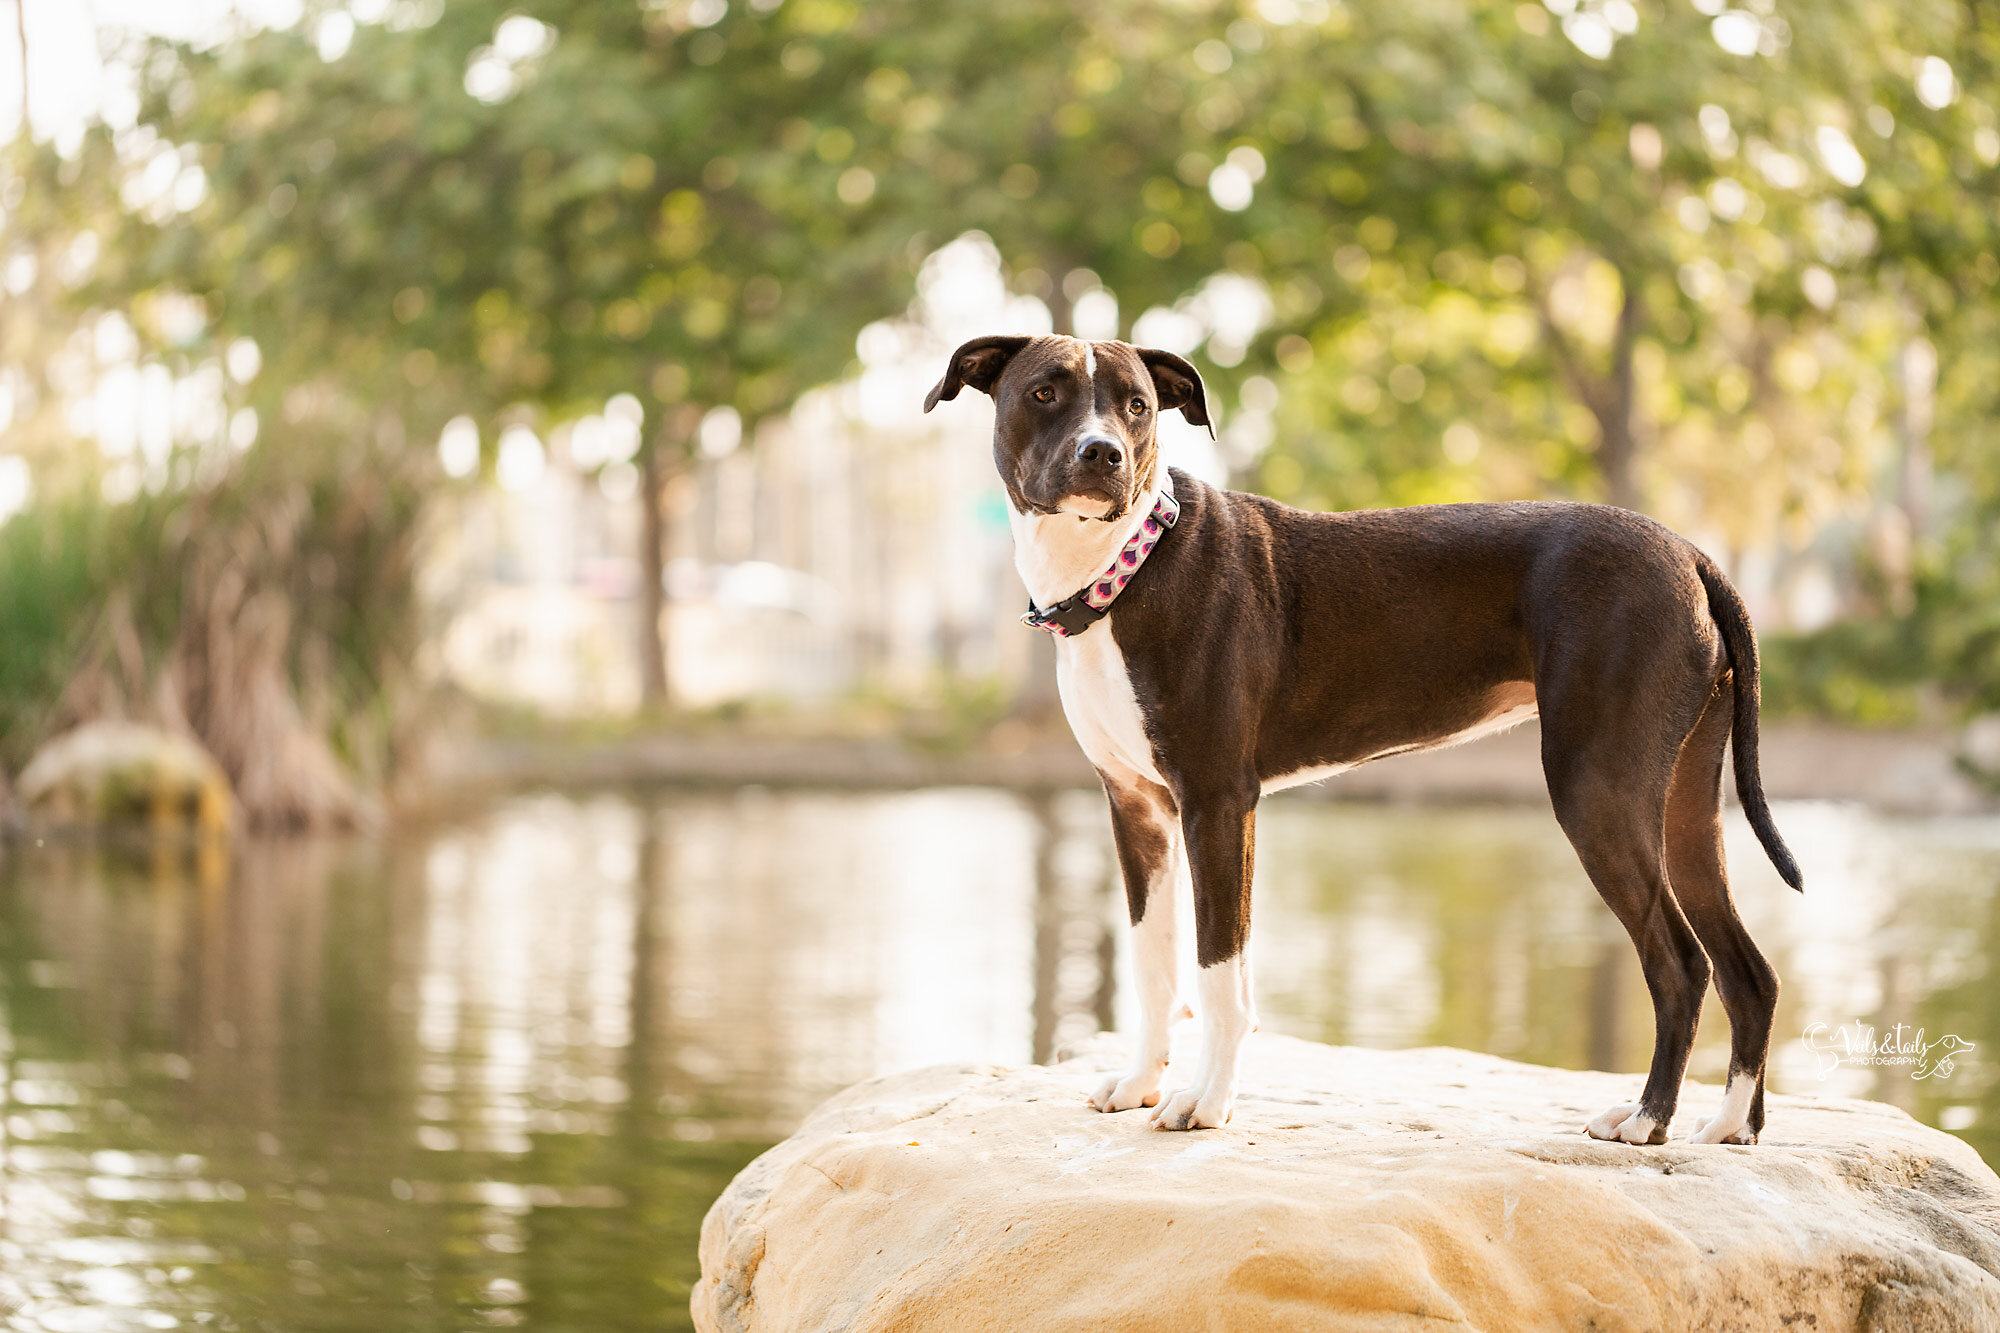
1099,449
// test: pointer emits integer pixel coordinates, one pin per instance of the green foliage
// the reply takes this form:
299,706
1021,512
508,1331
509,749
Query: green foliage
1574,259
1941,658
634,213
106,606
1462,218
60,564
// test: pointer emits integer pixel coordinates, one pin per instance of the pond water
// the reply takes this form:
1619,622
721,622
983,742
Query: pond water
491,1073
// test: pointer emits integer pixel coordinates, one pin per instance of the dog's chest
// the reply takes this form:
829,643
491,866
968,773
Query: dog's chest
1103,710
1056,555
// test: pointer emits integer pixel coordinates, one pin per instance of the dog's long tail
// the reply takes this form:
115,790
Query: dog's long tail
1741,640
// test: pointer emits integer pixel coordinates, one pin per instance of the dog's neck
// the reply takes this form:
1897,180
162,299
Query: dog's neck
1057,554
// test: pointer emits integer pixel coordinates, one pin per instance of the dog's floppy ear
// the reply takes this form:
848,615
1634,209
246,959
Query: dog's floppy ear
1178,384
978,363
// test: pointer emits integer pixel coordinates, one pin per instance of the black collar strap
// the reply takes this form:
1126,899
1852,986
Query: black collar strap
1079,611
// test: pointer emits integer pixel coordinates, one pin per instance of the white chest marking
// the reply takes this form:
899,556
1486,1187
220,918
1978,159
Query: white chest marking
1097,699
1056,555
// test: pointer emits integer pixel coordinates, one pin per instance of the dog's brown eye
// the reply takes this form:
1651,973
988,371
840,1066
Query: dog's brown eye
1138,406
1045,394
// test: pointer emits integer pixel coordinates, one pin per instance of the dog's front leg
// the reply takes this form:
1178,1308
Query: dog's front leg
1220,829
1147,829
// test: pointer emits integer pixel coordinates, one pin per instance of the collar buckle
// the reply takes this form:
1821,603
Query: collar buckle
1067,618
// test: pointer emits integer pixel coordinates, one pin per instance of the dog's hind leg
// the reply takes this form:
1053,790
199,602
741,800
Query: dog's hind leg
1746,981
1220,828
1147,830
1610,800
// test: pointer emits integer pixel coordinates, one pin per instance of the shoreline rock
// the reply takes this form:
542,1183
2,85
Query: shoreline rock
125,775
1354,1189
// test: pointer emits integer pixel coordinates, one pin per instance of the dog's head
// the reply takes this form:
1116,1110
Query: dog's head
1074,422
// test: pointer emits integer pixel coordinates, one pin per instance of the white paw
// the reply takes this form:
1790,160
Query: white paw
1731,1124
1199,1107
1624,1124
1722,1128
1125,1092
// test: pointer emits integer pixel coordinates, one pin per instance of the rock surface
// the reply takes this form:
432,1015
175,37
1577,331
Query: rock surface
124,774
1354,1189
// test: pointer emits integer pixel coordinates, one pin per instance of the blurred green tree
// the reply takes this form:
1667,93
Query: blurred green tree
519,216
1578,230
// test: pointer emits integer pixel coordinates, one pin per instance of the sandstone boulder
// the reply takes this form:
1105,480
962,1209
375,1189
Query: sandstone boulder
127,775
1354,1189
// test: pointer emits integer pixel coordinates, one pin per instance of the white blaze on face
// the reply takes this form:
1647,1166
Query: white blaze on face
1082,505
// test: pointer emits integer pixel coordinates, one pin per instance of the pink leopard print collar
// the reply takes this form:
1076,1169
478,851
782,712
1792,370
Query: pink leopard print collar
1079,611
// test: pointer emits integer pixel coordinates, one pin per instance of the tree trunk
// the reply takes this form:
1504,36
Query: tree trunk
1060,310
655,689
1919,366
1617,443
1899,531
1610,398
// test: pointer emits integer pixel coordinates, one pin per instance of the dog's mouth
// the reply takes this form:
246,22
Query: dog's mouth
1085,493
1084,500
1090,502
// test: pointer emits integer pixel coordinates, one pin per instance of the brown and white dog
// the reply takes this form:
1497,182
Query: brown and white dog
1248,646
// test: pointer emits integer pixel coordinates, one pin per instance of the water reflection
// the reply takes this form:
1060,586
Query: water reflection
492,1074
